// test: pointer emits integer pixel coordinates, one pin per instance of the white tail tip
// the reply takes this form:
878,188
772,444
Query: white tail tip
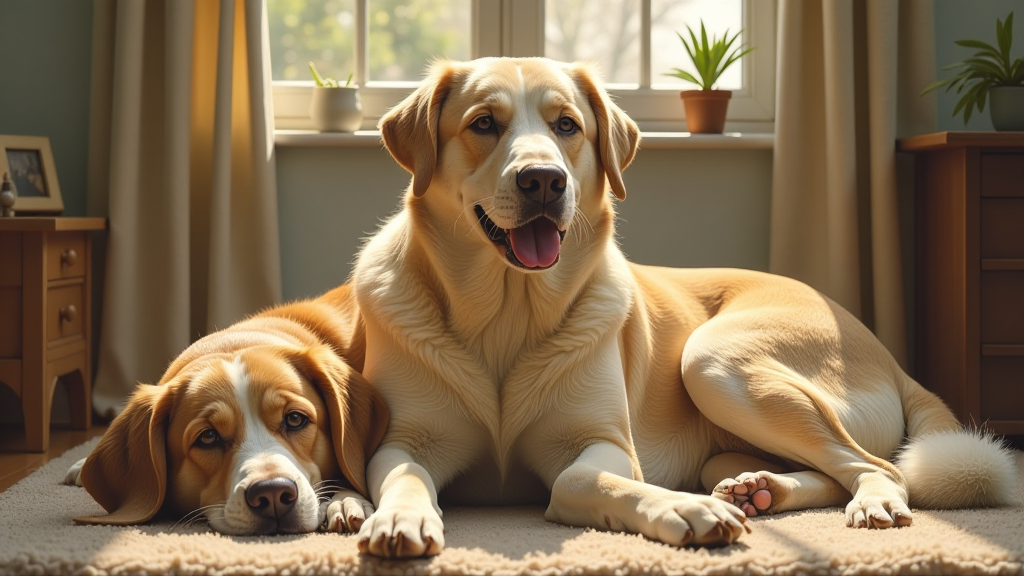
958,469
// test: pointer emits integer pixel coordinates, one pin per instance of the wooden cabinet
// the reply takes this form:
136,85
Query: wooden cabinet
45,322
969,278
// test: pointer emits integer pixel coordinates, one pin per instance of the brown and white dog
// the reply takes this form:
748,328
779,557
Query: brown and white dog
251,427
524,359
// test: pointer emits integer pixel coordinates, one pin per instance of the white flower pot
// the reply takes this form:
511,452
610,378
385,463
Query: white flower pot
1006,107
336,109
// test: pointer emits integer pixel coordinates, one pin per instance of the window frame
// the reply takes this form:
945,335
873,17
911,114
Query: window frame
500,30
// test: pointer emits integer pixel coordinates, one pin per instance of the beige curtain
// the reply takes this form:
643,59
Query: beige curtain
849,78
182,163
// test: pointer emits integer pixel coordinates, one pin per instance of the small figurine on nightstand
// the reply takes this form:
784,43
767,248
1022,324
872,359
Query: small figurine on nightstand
7,197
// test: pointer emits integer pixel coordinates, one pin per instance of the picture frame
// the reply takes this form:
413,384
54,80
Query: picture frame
28,162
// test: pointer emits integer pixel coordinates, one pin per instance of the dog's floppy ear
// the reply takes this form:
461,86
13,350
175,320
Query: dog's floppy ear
617,134
359,416
410,128
127,471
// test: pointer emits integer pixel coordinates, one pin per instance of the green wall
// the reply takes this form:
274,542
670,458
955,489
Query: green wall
976,20
329,199
45,51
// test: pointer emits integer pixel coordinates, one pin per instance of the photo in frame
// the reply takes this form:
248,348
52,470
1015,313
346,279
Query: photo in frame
28,163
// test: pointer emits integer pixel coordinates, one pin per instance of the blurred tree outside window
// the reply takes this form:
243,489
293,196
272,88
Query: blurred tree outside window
608,32
401,37
404,36
321,31
671,16
603,31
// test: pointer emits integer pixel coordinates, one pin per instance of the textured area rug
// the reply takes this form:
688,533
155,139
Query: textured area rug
37,536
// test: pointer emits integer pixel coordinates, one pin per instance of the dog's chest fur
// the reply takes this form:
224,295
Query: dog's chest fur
510,341
500,335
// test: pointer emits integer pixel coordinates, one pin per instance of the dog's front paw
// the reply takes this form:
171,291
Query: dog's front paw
402,532
74,475
345,512
683,519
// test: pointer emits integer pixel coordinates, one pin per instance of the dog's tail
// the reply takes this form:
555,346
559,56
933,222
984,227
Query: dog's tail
949,466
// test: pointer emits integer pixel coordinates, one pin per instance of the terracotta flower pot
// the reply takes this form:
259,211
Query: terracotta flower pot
705,110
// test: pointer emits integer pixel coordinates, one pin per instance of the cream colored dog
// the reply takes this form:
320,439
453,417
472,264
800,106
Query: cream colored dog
523,357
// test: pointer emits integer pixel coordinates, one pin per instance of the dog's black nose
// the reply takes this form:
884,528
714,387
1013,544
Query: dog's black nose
273,498
540,180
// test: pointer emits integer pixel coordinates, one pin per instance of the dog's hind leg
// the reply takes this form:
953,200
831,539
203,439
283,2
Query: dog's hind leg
731,477
781,412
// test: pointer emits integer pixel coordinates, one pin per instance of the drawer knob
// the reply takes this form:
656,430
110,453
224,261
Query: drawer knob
68,257
68,313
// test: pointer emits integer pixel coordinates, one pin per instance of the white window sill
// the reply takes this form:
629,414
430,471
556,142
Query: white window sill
649,140
727,141
312,138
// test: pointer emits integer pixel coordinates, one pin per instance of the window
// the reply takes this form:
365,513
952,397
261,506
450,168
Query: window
633,41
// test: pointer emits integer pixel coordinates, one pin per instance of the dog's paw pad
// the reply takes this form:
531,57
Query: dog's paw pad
751,492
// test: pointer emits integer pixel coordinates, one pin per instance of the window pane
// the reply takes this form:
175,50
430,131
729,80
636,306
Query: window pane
319,30
667,51
604,31
406,35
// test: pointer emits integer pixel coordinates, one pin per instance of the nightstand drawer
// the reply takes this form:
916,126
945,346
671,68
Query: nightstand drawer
48,335
1002,175
1002,396
1002,228
1002,307
65,255
64,308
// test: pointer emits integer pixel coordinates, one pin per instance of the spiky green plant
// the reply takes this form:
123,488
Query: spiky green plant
710,59
989,66
327,82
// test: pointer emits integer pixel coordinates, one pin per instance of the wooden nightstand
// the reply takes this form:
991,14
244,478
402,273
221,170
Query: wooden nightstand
970,273
45,328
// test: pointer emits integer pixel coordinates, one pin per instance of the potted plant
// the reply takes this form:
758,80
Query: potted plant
706,108
334,107
989,73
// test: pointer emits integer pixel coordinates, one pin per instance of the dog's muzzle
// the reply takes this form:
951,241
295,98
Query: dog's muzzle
536,244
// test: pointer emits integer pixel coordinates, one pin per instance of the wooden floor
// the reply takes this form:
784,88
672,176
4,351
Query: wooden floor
16,464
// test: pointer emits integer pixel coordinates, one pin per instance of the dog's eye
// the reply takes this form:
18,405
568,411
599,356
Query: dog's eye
567,125
483,124
208,438
295,421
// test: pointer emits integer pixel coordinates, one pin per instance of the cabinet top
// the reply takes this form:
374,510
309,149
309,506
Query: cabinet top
50,224
942,140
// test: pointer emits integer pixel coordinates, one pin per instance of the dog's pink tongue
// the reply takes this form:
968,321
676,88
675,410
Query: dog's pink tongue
536,244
